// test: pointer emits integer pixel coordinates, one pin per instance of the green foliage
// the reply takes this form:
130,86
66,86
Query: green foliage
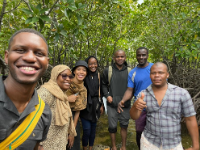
76,29
170,29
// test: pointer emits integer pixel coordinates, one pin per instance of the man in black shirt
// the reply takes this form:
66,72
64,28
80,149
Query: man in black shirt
114,90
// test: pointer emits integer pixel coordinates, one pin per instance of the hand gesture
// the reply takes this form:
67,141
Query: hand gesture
102,109
109,99
72,98
70,141
40,147
120,105
140,104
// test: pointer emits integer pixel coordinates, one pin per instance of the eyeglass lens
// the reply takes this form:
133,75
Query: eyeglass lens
64,76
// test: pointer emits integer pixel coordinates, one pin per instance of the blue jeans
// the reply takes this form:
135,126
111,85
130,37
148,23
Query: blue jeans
89,130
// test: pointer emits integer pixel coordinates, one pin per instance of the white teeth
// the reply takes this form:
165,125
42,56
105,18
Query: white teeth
28,68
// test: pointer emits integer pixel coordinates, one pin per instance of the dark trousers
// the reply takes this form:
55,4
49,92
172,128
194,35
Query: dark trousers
138,137
140,125
89,130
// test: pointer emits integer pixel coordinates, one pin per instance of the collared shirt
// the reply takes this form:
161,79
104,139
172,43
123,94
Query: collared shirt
163,122
10,119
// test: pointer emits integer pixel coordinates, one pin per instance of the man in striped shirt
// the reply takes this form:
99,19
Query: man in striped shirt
165,104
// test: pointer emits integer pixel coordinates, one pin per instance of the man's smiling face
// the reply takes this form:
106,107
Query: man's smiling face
142,57
27,58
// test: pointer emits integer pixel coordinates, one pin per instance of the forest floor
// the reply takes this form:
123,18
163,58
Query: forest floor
103,142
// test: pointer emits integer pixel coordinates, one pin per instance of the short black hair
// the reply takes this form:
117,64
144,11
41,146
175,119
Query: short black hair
161,63
142,48
29,31
119,51
88,58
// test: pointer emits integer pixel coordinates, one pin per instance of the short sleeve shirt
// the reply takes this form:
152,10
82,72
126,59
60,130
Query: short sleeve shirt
163,122
10,119
139,78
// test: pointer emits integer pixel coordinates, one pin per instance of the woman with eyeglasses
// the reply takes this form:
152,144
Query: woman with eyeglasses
91,114
54,94
77,96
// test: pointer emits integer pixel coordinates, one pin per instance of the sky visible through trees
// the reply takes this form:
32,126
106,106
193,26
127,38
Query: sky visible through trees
170,29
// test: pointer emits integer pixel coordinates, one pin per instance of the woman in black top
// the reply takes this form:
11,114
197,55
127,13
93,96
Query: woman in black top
94,108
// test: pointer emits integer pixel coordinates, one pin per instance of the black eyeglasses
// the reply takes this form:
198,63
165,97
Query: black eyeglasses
64,76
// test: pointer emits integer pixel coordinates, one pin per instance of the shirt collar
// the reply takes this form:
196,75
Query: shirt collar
170,87
31,105
8,104
123,68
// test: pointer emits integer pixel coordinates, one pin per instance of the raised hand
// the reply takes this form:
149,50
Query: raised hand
140,104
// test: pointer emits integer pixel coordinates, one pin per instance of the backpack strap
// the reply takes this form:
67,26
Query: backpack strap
99,87
129,69
24,130
109,74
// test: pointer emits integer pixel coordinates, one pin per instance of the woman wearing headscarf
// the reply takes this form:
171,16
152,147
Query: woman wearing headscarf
91,114
77,96
53,93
